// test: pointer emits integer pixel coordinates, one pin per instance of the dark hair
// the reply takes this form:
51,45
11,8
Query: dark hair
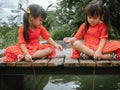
35,11
97,8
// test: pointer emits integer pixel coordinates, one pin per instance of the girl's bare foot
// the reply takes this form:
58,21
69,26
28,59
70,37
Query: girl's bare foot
20,58
28,58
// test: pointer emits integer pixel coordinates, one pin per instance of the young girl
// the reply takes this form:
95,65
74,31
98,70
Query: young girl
94,31
28,46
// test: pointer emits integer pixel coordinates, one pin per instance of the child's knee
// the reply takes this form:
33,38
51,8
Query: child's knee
77,44
49,50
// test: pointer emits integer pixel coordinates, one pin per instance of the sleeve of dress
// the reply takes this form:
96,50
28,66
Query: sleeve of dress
104,33
20,36
80,32
44,33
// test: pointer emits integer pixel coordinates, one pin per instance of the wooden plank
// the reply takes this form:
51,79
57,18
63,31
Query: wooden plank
6,64
103,63
68,61
71,62
40,63
116,63
56,62
87,63
60,54
68,52
23,64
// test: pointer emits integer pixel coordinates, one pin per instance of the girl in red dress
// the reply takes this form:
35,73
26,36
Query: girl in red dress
28,46
94,32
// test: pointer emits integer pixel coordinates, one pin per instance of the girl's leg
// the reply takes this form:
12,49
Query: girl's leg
82,48
106,56
42,53
110,56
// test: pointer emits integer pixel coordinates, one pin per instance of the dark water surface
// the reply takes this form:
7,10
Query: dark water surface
72,82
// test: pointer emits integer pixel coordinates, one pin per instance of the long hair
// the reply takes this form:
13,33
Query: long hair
97,8
35,11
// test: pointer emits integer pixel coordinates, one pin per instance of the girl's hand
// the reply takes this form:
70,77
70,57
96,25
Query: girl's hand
67,40
97,55
28,58
58,46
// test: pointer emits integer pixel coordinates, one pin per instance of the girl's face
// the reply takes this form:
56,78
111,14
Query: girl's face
35,22
93,20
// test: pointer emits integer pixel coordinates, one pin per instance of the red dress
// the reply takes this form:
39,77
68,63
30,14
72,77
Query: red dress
33,45
92,39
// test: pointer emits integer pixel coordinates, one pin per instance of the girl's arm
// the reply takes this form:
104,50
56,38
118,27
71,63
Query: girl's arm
52,42
24,49
98,52
69,40
28,57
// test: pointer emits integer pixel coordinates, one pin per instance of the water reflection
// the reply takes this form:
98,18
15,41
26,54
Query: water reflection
35,82
72,82
63,83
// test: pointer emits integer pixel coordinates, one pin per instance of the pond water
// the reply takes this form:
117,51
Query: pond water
72,82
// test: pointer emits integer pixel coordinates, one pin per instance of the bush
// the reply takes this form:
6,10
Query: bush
114,34
60,32
8,35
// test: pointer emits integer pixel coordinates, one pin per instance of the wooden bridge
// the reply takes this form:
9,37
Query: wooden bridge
60,64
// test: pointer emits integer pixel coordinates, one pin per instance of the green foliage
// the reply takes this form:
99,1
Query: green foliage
60,32
114,34
51,20
114,8
115,13
72,12
8,35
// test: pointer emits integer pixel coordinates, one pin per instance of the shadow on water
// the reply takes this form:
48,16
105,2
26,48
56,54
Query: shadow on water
72,82
37,82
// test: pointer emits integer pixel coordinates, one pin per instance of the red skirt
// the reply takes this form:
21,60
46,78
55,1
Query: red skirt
12,52
110,46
